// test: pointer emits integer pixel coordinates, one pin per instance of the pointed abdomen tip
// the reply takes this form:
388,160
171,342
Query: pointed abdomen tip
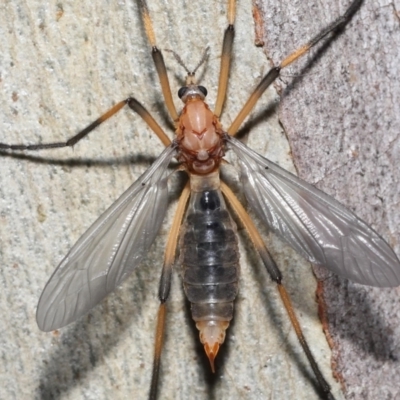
212,335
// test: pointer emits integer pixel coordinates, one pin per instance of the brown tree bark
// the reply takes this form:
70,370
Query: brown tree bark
340,112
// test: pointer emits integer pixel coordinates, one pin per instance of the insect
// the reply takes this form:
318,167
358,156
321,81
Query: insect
39,307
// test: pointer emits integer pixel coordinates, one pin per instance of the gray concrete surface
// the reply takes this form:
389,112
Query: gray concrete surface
61,66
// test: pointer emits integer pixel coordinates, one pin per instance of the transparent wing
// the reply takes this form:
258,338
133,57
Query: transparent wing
315,224
109,251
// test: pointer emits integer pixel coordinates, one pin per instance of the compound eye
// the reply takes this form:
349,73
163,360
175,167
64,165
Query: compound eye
203,90
182,91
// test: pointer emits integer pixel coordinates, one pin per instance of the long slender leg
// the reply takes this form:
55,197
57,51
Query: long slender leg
131,102
158,61
274,72
226,57
277,277
165,286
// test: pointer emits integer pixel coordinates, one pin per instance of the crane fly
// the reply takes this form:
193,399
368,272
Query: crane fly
311,222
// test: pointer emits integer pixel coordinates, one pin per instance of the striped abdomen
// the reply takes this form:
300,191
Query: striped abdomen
210,259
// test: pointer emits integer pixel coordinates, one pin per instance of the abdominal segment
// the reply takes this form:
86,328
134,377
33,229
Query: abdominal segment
210,259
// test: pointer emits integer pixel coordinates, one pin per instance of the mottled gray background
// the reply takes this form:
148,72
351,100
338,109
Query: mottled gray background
62,65
342,118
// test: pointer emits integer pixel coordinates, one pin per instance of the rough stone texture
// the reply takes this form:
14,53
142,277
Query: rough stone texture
340,112
61,66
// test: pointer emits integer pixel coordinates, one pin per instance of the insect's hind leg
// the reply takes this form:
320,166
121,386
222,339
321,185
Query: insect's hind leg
274,72
226,57
130,101
165,286
276,276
